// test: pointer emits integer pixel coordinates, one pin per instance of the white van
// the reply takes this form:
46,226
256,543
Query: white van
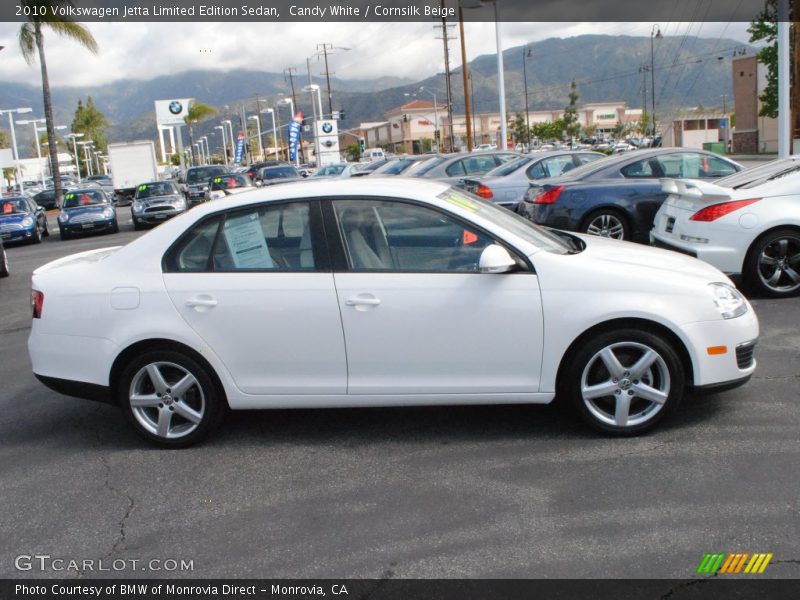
372,155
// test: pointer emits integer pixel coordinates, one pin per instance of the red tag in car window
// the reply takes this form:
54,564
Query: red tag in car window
85,199
7,208
469,237
231,182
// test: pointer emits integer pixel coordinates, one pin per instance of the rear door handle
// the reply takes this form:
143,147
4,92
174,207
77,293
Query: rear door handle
201,302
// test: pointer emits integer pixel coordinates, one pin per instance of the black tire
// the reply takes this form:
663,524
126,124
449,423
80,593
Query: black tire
201,400
136,225
65,235
607,222
37,235
115,227
585,377
46,232
772,262
4,270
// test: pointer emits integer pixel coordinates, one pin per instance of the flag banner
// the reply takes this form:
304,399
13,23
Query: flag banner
294,135
239,153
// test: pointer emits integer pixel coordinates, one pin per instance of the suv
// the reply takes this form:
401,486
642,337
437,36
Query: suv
197,179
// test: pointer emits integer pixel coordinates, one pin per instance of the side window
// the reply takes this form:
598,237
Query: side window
641,168
558,165
397,236
192,253
536,171
456,169
501,159
479,164
583,159
268,238
716,167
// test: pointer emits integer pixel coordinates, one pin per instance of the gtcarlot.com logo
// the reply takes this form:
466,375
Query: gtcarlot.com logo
734,563
46,562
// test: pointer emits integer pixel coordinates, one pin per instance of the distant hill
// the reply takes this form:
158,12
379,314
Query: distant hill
689,72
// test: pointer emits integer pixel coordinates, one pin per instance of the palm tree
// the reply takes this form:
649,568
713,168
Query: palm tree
31,41
198,111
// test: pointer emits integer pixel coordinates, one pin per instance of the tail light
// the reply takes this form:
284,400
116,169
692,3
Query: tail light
549,196
717,211
484,192
37,303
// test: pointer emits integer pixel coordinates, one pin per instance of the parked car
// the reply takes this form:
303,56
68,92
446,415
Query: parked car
507,184
22,220
4,270
746,224
256,301
197,179
399,166
155,202
104,181
617,196
252,170
223,185
46,199
337,170
450,168
277,174
86,210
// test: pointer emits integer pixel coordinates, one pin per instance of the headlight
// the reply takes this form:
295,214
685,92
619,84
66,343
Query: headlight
179,203
108,212
27,221
136,206
728,300
63,217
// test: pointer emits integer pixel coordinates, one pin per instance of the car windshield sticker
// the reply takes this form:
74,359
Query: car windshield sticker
469,237
142,188
246,242
69,196
460,201
8,208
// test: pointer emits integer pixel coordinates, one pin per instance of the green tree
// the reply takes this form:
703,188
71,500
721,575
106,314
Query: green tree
426,145
5,139
621,129
519,129
91,123
43,16
353,152
572,125
765,30
198,111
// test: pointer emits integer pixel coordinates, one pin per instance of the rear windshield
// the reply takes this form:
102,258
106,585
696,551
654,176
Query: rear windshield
395,167
428,165
279,173
203,174
329,170
750,178
157,188
509,167
84,198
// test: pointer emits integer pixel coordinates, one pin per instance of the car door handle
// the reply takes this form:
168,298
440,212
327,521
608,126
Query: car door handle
363,301
202,301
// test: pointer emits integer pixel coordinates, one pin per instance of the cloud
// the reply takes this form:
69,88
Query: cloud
146,50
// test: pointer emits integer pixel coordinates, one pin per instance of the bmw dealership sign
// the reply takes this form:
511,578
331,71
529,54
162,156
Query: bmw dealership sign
172,112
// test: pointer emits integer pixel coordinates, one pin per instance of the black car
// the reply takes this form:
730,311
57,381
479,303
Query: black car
277,174
618,196
197,182
252,170
46,199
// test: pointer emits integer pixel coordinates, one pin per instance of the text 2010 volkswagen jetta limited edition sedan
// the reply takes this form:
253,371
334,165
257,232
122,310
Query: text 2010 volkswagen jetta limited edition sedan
381,292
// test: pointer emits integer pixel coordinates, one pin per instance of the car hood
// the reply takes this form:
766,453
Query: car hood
13,219
159,200
83,210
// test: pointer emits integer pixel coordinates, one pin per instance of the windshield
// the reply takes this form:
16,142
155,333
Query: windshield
279,173
504,218
203,174
84,198
157,188
329,171
395,167
761,174
509,167
230,180
427,166
10,206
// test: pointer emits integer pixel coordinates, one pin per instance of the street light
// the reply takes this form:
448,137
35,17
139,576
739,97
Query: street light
74,136
36,132
311,88
436,117
18,111
655,33
224,142
290,103
258,132
271,112
204,149
85,145
230,139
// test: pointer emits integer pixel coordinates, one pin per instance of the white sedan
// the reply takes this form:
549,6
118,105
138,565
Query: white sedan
381,292
746,224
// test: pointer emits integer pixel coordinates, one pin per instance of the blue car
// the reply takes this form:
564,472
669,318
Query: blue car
22,220
618,196
86,211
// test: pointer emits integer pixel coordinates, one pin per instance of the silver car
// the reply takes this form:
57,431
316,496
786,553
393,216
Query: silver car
451,168
155,202
506,185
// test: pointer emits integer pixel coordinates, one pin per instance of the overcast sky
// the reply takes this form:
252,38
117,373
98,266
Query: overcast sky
145,50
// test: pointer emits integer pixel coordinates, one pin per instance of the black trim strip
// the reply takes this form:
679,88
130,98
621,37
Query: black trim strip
77,389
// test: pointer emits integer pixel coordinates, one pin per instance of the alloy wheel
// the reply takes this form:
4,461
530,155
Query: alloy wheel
607,225
779,264
625,384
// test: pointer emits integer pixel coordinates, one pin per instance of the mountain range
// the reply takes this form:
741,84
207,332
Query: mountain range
689,71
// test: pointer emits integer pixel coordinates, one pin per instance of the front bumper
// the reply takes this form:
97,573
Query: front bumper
153,218
17,235
90,227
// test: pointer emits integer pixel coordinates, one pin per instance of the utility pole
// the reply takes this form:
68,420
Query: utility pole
465,75
644,70
444,26
655,33
727,121
526,54
327,76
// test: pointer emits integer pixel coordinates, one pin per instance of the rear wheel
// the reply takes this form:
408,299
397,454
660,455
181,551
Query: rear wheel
607,223
65,235
4,271
37,235
137,226
169,398
772,265
46,232
623,382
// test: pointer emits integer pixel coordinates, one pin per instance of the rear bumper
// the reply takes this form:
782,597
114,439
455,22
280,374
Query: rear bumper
728,259
77,389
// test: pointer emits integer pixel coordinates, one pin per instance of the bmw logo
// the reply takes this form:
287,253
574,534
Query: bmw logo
327,128
175,107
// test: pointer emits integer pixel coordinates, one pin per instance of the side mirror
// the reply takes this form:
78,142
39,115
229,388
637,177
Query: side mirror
496,259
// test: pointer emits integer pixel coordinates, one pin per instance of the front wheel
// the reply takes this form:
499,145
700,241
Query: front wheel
623,382
169,398
37,235
772,265
607,223
4,270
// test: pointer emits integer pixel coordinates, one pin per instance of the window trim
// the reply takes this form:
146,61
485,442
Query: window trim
319,244
338,252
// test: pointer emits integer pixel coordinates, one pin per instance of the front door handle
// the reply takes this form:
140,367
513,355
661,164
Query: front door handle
363,300
201,302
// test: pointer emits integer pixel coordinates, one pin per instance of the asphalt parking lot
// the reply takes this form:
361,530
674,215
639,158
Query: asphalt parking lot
502,491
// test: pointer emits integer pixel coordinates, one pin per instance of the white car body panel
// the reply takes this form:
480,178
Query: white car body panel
499,338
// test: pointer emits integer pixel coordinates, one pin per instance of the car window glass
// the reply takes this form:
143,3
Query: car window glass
398,236
585,159
641,168
501,159
152,190
536,171
83,198
270,238
192,253
557,165
509,167
456,169
480,164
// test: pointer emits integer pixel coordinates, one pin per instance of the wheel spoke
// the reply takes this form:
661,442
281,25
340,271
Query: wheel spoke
773,280
768,260
622,410
784,247
187,412
600,390
592,229
183,386
793,275
794,259
616,230
611,362
645,362
164,420
647,392
157,379
144,400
